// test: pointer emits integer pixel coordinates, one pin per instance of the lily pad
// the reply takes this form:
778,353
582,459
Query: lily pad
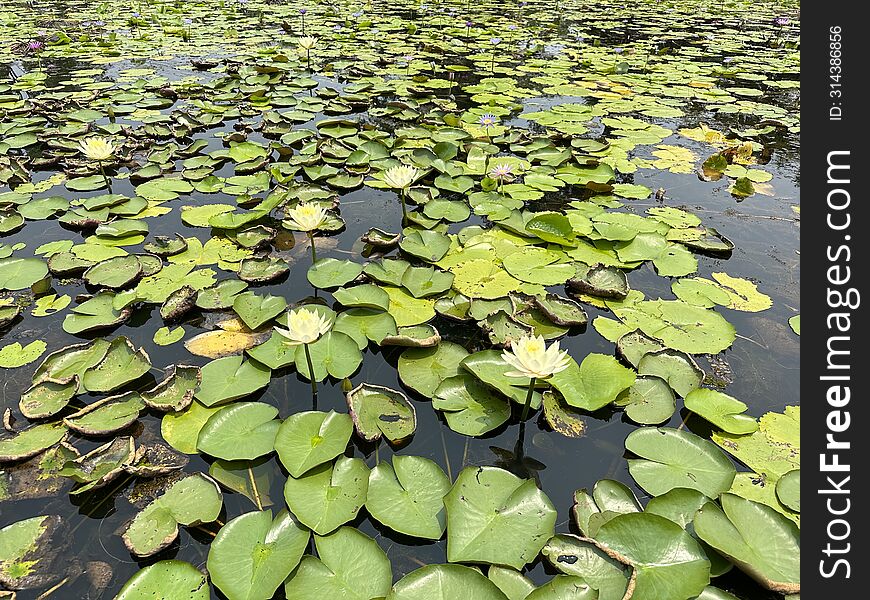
497,518
308,439
175,392
671,458
379,411
408,496
253,554
328,496
240,431
424,369
445,582
721,410
171,578
231,378
121,365
469,407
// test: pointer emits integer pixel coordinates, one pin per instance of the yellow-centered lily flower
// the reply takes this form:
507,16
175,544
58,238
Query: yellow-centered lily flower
306,216
97,148
307,42
532,359
304,327
400,177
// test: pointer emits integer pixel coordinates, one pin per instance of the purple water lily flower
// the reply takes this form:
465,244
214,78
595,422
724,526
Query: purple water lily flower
495,41
302,11
488,120
35,46
781,21
468,24
502,171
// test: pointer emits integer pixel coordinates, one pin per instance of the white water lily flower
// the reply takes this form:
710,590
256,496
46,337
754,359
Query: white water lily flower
531,358
304,326
307,43
97,148
306,217
400,177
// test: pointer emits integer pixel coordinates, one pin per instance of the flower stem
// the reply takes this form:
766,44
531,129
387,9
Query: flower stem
404,209
105,178
313,247
528,400
310,371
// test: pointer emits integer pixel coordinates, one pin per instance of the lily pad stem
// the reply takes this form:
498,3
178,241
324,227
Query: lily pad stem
313,247
310,370
404,208
528,400
105,178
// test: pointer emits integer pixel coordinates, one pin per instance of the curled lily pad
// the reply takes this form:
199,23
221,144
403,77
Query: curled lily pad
262,270
175,392
600,280
31,441
71,361
47,398
121,365
189,502
561,311
633,346
156,459
109,415
166,246
178,303
101,465
562,418
380,238
408,496
98,312
788,490
497,518
328,496
117,272
379,411
415,336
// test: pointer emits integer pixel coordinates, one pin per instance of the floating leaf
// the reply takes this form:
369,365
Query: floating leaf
594,383
379,411
189,502
328,496
497,518
760,541
349,565
649,401
469,407
445,582
175,392
109,415
308,439
121,365
231,378
253,554
240,431
721,410
423,369
670,458
30,553
168,578
14,355
408,496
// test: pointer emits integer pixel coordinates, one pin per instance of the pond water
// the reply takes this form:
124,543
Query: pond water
386,56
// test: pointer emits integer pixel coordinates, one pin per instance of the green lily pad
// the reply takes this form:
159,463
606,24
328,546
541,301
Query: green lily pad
240,431
497,518
331,273
255,310
677,368
30,552
594,383
671,458
349,565
423,369
231,378
760,541
308,439
489,367
721,410
21,273
328,495
408,496
445,582
175,392
788,490
31,441
109,415
191,501
253,554
122,364
469,407
649,401
170,578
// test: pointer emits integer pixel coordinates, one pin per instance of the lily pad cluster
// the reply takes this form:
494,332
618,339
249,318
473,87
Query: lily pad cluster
521,131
